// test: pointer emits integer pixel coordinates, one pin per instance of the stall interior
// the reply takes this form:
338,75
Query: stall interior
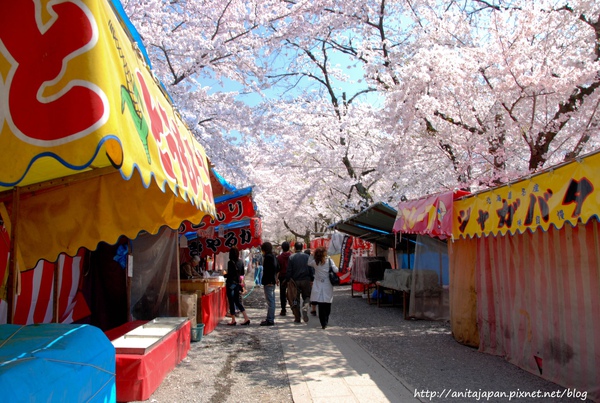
146,266
423,285
430,280
155,279
394,283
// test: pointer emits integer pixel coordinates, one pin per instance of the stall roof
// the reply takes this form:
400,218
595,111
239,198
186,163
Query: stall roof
565,193
219,185
374,224
92,147
430,215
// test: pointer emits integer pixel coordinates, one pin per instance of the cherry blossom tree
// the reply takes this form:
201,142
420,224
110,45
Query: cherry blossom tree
504,88
327,106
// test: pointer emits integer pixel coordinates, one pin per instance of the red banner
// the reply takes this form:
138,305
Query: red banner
346,254
319,242
359,244
430,215
235,209
241,238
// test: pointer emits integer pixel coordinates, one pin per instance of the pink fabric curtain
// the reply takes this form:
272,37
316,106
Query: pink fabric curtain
538,303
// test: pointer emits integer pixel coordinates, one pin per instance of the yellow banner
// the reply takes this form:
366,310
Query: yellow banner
567,193
76,94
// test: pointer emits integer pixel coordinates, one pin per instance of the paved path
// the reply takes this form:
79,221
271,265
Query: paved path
326,365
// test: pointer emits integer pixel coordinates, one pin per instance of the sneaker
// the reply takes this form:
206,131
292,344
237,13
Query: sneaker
282,313
266,323
305,316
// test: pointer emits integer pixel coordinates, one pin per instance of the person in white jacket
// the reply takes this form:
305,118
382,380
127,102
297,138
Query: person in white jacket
322,290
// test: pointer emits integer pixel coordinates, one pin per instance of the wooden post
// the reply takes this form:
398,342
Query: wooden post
11,285
55,299
128,275
178,281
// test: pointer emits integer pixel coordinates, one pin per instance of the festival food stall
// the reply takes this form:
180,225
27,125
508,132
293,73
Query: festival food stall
525,277
91,150
369,230
342,248
427,283
234,225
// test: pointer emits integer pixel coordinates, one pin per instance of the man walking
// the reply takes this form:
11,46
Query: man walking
303,276
283,262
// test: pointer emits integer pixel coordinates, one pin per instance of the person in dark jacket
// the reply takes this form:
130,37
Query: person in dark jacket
282,259
269,281
303,275
235,269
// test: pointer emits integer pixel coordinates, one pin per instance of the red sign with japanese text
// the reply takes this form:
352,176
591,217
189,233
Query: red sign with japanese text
242,238
235,209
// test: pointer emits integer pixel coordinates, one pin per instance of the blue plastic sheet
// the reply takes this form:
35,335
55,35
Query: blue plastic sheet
56,363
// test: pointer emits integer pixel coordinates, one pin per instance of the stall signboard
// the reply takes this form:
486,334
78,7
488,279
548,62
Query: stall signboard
430,215
244,237
346,253
564,194
228,210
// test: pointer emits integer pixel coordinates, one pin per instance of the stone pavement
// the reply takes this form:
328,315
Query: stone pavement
327,365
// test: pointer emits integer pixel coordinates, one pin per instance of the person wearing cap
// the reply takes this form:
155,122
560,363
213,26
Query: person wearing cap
282,259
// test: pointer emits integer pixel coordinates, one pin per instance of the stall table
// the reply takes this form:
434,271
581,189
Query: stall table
146,351
398,281
212,300
365,272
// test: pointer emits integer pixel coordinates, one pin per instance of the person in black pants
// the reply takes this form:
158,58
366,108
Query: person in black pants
303,275
282,259
235,269
322,290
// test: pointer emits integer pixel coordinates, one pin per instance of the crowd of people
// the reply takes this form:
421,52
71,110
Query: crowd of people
302,278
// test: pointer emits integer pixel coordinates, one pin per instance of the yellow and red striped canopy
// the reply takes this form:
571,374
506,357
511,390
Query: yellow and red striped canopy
563,194
85,128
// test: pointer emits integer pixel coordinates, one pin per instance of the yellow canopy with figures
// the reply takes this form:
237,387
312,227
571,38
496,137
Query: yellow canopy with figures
91,147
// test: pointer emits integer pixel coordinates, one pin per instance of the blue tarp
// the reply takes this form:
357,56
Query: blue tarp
56,363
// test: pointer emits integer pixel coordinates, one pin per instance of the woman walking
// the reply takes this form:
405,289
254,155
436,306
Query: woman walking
322,290
269,281
235,269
